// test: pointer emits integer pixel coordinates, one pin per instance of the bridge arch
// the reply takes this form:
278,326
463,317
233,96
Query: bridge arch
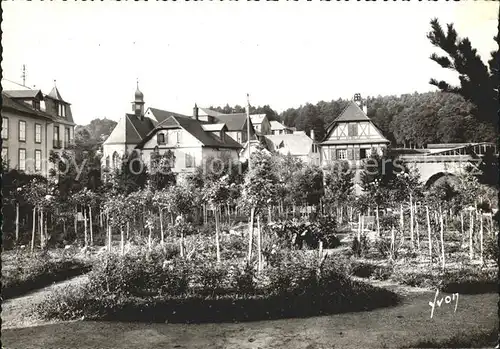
440,177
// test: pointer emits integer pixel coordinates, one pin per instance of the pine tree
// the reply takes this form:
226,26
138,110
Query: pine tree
478,82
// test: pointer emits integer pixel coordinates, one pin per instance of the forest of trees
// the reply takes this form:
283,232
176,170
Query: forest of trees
408,120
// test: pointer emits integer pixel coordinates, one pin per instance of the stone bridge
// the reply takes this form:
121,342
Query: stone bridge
438,161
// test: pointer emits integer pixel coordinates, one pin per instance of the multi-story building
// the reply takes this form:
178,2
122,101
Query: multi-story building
192,139
33,125
298,144
261,124
352,136
277,128
236,123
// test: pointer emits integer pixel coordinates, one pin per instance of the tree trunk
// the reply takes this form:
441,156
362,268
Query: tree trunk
416,227
17,222
162,234
378,223
250,233
217,227
181,243
269,212
442,237
33,231
429,235
85,227
341,214
76,221
42,241
412,238
393,242
462,227
150,235
359,227
100,218
122,241
91,227
128,230
109,237
402,222
471,231
481,237
259,245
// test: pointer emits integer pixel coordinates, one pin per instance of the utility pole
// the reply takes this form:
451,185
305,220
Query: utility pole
23,76
248,129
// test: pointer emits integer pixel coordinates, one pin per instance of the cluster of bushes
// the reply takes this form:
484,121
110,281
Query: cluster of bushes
150,288
29,271
464,281
305,234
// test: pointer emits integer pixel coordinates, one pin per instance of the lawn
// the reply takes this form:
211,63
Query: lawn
407,325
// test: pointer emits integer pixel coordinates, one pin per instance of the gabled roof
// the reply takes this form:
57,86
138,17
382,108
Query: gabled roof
275,125
296,143
195,128
8,103
130,130
213,127
211,112
352,112
234,122
257,118
24,94
161,115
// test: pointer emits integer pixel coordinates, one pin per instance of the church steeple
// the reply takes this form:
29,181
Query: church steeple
138,104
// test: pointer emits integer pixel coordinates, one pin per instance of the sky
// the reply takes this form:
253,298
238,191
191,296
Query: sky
283,53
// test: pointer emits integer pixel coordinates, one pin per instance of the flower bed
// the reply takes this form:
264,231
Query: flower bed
142,288
27,272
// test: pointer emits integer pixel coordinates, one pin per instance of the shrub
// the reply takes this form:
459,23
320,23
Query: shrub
210,278
383,247
360,247
491,248
32,271
244,280
299,234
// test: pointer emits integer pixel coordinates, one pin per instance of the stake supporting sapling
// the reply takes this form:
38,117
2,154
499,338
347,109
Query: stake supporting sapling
91,227
17,222
441,223
33,231
429,235
217,233
259,246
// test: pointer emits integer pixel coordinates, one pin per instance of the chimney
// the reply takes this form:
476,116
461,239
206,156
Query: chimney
312,135
195,112
365,109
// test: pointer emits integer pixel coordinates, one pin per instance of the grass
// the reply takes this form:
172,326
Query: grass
482,339
405,325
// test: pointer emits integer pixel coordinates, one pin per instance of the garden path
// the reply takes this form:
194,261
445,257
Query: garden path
14,310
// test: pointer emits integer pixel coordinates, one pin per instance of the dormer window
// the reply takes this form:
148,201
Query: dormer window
160,138
61,110
179,136
36,104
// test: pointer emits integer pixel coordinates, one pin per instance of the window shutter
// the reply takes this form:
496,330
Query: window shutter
333,154
350,154
356,153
